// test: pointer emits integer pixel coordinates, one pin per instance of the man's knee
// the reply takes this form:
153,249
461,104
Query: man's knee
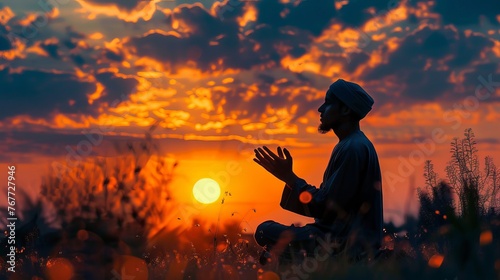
264,225
261,233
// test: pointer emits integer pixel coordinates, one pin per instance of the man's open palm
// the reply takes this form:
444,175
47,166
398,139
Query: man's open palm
279,165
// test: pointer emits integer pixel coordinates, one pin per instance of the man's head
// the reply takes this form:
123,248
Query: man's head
344,102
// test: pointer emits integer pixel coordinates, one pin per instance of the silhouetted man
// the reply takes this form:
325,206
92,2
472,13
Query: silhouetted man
348,203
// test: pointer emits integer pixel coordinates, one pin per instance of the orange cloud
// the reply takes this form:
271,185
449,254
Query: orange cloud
380,21
18,50
148,64
62,121
28,19
250,15
96,36
201,98
253,126
282,128
496,48
36,49
306,62
96,94
58,121
143,10
6,14
423,11
217,125
115,45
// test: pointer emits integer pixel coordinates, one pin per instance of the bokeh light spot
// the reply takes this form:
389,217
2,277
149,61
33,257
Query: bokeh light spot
59,269
132,267
486,237
305,197
436,261
269,275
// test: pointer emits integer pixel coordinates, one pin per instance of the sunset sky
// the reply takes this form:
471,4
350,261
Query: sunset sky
226,77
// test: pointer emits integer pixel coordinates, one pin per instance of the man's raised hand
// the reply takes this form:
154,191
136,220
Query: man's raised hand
279,165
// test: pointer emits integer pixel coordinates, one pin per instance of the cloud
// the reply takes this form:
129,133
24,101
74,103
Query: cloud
51,49
111,55
116,86
207,43
77,59
40,93
127,5
423,62
5,16
464,12
214,41
40,143
74,34
261,100
279,15
127,10
468,48
55,144
5,44
356,13
484,70
356,59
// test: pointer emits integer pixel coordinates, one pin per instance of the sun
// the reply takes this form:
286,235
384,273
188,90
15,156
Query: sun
206,190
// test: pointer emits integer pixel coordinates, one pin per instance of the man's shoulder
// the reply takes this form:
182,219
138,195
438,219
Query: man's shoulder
359,147
359,142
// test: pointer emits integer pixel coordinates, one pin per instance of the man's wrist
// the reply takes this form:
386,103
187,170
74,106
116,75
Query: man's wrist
290,180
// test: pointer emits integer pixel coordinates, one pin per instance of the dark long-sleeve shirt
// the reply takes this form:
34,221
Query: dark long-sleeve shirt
349,200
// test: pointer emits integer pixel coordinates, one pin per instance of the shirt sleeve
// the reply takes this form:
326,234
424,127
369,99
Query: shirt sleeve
335,194
290,199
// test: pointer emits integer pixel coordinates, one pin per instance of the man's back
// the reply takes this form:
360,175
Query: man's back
352,186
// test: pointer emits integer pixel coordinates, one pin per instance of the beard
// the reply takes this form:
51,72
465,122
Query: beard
324,128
